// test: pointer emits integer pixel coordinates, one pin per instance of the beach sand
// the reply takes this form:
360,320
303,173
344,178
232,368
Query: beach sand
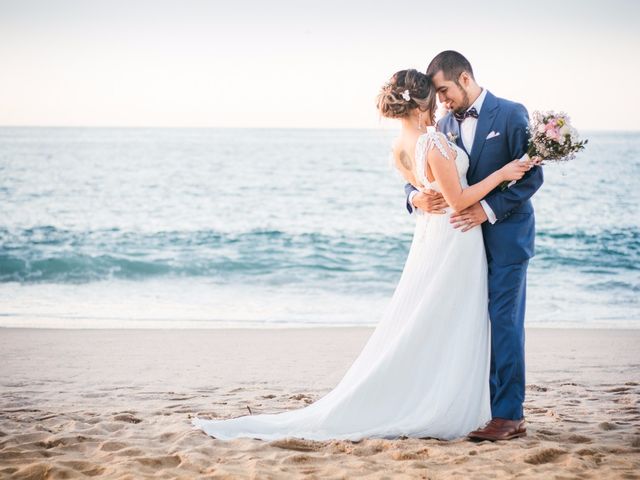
118,404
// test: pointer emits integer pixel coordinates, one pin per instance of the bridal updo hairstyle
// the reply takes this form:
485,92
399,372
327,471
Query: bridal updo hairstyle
392,102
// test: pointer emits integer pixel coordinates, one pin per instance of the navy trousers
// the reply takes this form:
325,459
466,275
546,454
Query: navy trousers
507,294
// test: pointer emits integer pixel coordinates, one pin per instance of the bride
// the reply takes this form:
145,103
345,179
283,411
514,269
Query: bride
424,371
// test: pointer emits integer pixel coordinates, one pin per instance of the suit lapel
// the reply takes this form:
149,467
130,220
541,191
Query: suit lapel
488,114
452,126
456,131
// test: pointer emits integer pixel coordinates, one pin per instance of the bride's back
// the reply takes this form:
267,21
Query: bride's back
404,154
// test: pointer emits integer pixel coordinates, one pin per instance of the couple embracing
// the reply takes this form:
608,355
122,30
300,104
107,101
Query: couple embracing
446,359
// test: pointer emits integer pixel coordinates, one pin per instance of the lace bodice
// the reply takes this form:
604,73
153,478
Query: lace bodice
433,139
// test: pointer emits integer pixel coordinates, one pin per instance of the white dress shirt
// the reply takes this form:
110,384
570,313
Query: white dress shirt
467,135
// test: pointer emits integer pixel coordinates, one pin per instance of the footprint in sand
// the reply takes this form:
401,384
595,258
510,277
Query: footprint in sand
301,396
587,452
619,390
537,388
369,448
166,461
592,454
297,444
112,446
297,459
130,452
86,468
64,441
607,426
421,454
35,470
625,400
575,438
546,455
534,410
167,437
126,417
51,443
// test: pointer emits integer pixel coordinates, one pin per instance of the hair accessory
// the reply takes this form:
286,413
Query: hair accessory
406,95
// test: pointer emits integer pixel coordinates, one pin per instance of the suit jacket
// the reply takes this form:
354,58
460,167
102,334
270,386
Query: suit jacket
511,238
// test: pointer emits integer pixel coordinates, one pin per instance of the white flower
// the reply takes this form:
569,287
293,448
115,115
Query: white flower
406,95
452,137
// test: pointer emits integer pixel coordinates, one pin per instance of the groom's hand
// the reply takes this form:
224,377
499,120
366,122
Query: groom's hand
469,217
429,201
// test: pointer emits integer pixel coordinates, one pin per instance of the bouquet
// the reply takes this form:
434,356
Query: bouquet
553,139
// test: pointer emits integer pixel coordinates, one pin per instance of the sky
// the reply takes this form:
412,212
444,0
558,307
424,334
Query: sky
308,64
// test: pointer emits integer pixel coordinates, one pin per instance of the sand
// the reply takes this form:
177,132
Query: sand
118,404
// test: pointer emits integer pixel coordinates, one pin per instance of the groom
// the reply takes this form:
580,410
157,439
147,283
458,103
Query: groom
492,131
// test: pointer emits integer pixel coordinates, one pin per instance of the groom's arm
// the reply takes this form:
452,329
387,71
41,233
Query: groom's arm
503,202
411,192
429,201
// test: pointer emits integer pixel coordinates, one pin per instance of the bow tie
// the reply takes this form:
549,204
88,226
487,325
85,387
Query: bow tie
472,112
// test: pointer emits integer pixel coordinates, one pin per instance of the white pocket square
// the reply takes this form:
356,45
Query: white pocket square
492,135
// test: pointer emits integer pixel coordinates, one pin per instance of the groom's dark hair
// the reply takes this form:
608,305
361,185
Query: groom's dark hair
452,65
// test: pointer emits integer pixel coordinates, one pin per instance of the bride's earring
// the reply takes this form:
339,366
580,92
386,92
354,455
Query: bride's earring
420,121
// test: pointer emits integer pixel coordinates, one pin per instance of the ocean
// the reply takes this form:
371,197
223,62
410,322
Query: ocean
206,228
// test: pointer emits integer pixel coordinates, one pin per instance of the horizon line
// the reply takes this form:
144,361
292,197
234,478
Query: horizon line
210,127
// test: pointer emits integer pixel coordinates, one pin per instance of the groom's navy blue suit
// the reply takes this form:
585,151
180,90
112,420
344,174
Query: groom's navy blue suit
509,242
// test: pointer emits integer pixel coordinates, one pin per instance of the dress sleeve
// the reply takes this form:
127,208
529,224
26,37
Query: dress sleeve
425,143
436,140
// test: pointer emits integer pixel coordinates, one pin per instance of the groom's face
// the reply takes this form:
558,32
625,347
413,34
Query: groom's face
451,93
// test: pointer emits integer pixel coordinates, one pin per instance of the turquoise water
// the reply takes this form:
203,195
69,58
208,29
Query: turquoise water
219,227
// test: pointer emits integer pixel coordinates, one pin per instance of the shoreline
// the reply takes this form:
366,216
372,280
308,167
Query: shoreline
632,326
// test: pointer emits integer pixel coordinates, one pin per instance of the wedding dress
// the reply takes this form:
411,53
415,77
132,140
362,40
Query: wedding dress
424,371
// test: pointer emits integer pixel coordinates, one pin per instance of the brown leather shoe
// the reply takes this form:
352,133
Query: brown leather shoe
500,429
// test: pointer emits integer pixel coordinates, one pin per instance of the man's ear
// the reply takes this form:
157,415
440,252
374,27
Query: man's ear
465,79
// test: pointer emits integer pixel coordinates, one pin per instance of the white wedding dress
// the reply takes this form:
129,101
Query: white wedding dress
424,372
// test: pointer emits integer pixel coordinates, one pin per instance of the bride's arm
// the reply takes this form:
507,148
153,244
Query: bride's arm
446,174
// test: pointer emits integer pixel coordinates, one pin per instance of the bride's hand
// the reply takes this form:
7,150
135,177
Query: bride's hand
515,170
